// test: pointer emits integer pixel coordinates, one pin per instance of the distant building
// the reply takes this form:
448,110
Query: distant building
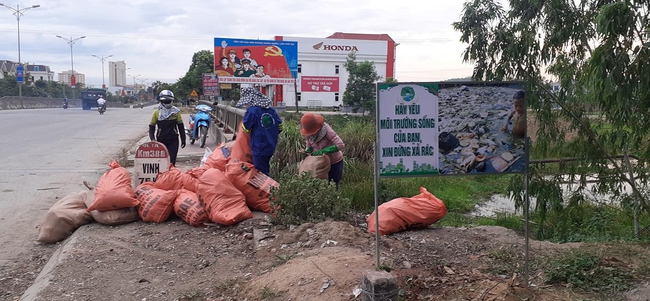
64,77
324,59
116,74
39,72
35,72
7,68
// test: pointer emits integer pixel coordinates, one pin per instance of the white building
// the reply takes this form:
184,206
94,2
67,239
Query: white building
39,72
64,77
117,74
35,72
322,76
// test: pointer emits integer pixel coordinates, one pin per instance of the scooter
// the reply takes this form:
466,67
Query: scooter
199,125
101,109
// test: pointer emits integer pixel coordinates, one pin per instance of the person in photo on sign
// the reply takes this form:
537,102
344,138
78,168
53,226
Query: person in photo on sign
247,55
167,118
260,72
518,115
233,60
264,125
320,139
224,68
246,70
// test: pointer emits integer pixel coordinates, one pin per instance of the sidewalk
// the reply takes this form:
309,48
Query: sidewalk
189,153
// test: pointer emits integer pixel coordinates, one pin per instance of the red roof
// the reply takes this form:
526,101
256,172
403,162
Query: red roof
361,36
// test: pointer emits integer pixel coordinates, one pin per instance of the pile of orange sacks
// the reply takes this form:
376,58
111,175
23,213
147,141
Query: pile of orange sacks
225,190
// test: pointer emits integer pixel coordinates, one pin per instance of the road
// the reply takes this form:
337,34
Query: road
47,154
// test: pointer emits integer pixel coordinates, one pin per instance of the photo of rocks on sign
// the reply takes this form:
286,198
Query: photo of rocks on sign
482,129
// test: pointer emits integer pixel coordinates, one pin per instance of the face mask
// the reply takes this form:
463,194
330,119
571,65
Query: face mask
167,105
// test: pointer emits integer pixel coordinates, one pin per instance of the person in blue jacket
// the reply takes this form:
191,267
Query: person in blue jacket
263,124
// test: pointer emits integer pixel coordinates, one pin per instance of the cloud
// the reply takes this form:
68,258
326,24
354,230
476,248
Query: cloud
157,38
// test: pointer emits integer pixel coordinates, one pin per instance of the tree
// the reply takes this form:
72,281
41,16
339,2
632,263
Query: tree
158,86
594,48
360,92
202,62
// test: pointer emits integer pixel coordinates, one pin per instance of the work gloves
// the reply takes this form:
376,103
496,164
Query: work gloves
328,150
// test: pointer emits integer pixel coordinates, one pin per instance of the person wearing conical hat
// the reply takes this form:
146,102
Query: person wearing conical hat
264,125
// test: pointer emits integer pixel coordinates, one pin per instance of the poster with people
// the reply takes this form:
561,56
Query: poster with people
451,128
266,62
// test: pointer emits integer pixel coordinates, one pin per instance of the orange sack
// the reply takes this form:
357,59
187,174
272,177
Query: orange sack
191,177
241,149
224,203
400,214
188,207
113,190
169,180
218,158
156,205
255,185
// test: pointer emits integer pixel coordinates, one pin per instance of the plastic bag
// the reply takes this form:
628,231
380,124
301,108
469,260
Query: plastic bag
400,214
169,180
206,154
255,185
317,166
224,203
191,177
218,159
66,215
156,205
241,148
188,208
113,190
113,217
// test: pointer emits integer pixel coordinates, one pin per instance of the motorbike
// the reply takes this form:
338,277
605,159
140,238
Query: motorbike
199,125
102,109
65,105
141,105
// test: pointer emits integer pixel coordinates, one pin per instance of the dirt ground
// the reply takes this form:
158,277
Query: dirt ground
255,260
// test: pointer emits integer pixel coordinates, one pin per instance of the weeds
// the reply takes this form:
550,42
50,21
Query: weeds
587,271
192,296
305,199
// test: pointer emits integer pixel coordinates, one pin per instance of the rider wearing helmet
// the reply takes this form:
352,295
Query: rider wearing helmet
101,102
169,122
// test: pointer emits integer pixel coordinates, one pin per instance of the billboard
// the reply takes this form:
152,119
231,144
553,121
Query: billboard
263,62
319,83
210,84
448,128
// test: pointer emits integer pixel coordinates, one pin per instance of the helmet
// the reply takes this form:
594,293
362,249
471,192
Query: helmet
166,97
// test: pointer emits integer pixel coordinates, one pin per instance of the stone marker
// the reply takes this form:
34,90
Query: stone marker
379,286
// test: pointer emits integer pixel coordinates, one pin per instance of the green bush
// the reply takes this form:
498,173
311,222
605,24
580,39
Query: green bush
304,199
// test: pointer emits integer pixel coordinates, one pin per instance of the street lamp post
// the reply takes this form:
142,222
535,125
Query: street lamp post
103,58
71,41
134,84
19,12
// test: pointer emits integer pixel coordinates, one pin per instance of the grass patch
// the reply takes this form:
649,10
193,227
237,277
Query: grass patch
587,271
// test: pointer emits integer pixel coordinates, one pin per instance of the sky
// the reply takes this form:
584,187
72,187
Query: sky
157,38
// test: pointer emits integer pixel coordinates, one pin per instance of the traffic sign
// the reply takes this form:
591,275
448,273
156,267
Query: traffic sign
20,74
194,94
151,158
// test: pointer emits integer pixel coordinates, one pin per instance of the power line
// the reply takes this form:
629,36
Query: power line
194,38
